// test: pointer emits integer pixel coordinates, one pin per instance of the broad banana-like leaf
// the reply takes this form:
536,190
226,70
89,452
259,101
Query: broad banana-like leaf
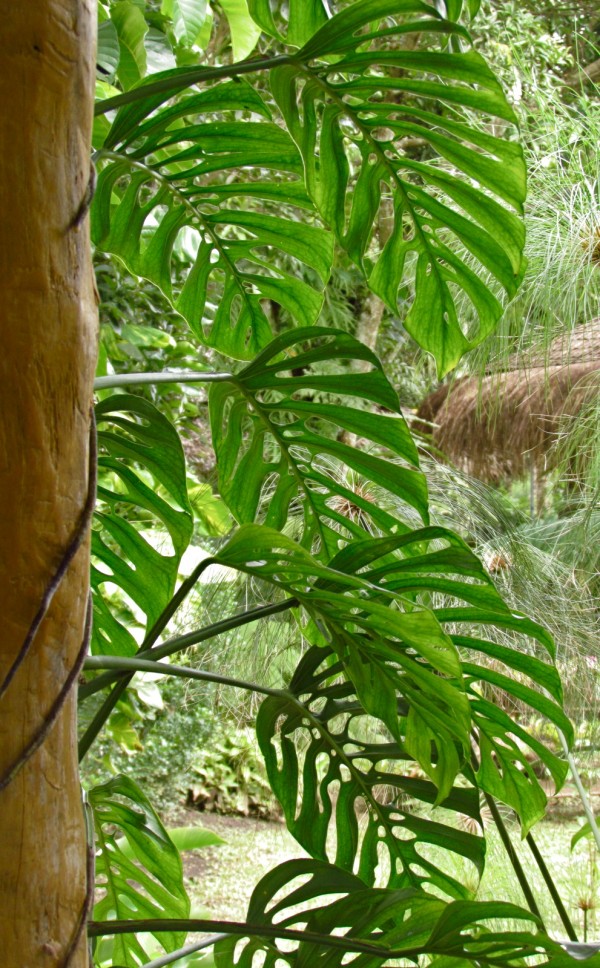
141,488
188,18
355,99
131,28
108,52
274,433
243,29
145,880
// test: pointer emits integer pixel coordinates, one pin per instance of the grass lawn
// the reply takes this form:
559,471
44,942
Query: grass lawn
221,879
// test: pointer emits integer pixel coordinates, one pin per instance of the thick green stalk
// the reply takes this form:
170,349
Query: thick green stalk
181,642
145,379
241,929
132,665
549,881
514,859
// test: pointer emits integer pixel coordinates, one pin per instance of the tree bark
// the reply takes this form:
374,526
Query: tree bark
49,334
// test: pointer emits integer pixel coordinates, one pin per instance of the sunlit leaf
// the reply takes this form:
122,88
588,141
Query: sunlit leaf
188,18
244,30
302,19
131,28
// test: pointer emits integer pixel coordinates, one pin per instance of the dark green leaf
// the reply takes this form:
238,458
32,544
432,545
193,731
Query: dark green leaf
328,781
142,502
247,251
349,118
330,910
276,447
403,670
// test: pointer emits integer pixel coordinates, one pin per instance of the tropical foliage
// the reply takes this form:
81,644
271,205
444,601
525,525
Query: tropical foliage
230,186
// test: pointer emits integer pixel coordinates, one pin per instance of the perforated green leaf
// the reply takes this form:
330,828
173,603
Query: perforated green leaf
386,135
366,606
143,520
337,921
276,431
355,108
143,881
215,163
353,801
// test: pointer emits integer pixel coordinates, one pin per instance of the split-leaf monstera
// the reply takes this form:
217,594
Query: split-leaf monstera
253,172
241,170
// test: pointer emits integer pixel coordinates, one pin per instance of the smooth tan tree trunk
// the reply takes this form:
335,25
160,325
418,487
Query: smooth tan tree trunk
48,324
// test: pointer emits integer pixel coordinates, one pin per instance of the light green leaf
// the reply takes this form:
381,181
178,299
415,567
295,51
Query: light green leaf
584,831
302,19
212,513
183,838
193,838
244,31
131,28
146,336
188,17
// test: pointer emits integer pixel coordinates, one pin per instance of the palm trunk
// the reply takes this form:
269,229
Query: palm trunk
49,323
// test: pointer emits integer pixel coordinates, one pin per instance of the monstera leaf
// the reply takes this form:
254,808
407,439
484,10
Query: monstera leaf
353,108
142,505
367,609
195,166
274,433
354,98
353,801
138,868
307,913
